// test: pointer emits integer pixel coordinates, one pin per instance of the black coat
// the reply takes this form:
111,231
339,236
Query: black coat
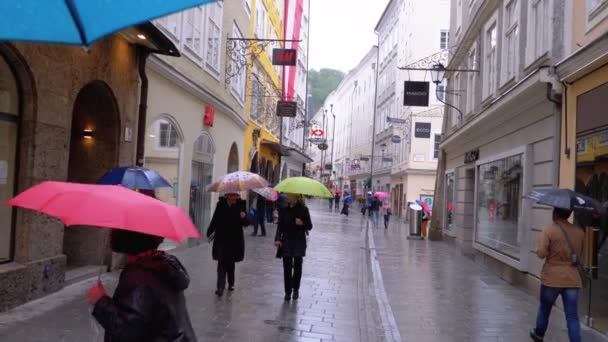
148,304
291,236
227,224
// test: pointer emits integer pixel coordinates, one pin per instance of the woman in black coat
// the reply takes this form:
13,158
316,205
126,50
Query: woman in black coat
294,224
149,302
227,224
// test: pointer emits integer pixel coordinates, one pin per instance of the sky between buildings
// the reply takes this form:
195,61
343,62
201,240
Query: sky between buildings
342,31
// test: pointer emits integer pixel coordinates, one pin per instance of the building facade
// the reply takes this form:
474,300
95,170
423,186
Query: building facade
66,114
584,127
503,139
196,111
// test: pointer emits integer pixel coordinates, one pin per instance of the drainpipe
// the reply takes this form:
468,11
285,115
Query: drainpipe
142,56
555,89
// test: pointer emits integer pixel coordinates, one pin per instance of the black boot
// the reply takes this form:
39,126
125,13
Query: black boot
219,292
535,337
296,294
287,296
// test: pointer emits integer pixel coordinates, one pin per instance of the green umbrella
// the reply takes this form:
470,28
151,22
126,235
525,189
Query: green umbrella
303,186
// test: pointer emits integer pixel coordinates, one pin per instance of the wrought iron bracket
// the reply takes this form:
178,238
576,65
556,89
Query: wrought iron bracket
241,52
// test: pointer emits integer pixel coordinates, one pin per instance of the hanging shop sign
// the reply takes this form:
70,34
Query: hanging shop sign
416,94
396,139
396,120
471,156
422,130
286,57
323,146
317,133
316,140
287,109
209,116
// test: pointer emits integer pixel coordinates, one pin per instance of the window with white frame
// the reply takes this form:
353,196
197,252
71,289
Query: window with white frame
248,7
471,79
257,93
214,29
171,24
193,32
238,82
435,147
489,72
167,135
444,38
539,27
260,20
511,40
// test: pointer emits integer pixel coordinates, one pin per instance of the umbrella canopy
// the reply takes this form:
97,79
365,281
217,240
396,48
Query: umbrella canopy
237,182
566,199
110,206
80,22
382,195
424,206
134,177
303,186
268,193
349,199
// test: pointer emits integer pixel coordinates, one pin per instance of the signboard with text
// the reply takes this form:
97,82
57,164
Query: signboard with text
416,94
422,130
286,57
287,109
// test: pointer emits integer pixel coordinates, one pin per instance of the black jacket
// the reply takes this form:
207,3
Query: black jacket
293,237
148,304
227,224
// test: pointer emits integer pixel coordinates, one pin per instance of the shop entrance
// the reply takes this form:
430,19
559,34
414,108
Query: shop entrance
93,151
202,177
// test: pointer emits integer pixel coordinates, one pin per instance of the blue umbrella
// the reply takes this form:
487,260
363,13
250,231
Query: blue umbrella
80,22
134,177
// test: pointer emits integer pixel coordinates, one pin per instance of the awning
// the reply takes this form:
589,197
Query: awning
286,151
278,148
299,155
156,41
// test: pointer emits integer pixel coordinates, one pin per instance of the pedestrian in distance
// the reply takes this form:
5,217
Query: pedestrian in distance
375,210
226,227
293,227
345,205
331,202
386,213
561,245
259,207
148,303
337,201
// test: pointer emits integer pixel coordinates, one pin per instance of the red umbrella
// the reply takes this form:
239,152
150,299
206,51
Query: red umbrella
110,206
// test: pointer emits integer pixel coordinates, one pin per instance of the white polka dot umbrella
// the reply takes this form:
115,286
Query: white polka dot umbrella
238,181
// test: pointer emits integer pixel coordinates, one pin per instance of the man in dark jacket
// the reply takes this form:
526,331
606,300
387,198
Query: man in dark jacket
227,224
259,206
294,224
149,302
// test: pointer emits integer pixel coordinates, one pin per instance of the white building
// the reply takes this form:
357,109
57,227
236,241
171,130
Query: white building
406,162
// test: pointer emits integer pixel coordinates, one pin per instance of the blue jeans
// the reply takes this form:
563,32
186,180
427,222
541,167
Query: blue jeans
548,296
375,217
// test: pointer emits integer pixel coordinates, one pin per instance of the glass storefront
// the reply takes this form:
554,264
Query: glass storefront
9,123
499,193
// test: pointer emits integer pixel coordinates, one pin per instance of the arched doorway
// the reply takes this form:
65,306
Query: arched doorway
163,153
94,146
233,159
9,128
202,177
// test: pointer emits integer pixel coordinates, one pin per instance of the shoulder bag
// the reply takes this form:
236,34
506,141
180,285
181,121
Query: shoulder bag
576,261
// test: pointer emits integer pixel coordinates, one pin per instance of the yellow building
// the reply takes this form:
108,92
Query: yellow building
584,128
264,84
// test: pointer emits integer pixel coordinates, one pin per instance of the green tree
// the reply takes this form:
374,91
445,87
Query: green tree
322,83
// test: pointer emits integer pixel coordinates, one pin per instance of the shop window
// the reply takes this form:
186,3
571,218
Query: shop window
9,124
498,207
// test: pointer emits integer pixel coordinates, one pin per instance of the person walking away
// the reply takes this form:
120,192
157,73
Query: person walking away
259,206
148,303
269,211
337,201
293,227
559,275
375,209
370,199
386,213
331,202
345,205
227,225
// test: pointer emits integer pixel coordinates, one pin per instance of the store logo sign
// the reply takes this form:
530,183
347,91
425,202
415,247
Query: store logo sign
416,94
422,130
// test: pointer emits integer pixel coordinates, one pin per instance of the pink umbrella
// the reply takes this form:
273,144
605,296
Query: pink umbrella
268,193
382,195
237,182
110,206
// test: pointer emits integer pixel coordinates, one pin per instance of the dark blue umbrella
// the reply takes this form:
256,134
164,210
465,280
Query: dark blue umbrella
80,22
134,177
566,199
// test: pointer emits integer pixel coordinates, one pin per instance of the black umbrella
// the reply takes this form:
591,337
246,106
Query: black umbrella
566,199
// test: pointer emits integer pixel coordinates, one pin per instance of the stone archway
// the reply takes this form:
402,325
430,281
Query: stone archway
94,148
233,158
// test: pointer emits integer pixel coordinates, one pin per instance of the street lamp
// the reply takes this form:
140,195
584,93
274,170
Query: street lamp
438,73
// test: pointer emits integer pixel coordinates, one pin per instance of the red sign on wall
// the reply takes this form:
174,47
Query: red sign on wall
209,116
287,57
